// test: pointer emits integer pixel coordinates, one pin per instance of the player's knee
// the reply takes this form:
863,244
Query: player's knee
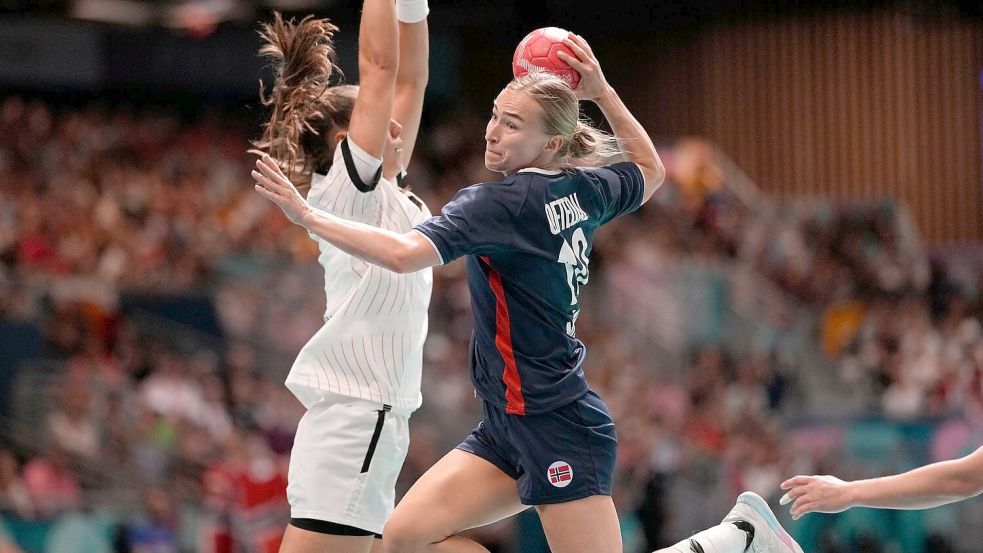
402,535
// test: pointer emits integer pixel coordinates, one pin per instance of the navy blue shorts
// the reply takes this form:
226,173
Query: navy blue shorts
559,456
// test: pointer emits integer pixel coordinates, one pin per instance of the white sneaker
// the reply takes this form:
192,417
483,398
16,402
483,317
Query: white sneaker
769,536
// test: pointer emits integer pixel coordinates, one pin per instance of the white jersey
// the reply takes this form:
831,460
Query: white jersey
371,344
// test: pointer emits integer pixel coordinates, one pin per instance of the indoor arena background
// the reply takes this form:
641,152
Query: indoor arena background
803,295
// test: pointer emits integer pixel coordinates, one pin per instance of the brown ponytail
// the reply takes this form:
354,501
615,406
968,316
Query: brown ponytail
305,107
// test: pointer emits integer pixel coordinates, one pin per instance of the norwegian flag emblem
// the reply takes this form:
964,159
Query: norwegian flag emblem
560,474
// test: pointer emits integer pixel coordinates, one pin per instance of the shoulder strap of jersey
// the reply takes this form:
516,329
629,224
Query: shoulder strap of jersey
346,153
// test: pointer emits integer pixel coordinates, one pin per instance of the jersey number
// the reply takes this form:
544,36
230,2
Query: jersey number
573,255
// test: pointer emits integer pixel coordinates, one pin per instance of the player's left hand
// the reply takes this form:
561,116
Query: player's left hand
273,185
592,81
815,494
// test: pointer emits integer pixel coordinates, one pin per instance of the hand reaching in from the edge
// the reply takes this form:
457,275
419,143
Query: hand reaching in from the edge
273,185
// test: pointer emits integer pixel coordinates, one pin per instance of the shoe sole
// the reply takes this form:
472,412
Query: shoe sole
761,507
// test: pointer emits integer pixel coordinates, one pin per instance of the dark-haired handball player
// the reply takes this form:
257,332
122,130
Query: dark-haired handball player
921,488
359,375
546,439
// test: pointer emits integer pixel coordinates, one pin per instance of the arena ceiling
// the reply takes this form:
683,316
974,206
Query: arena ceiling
630,16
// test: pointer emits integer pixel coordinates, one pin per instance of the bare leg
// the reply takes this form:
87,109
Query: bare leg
459,492
297,540
588,525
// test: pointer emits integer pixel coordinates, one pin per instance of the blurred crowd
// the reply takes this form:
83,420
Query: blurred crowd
98,202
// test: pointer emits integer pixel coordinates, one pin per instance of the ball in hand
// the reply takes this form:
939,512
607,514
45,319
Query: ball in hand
538,52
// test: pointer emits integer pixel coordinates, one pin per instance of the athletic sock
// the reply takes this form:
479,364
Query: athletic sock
722,538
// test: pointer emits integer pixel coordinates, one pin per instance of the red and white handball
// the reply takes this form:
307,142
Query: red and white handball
537,52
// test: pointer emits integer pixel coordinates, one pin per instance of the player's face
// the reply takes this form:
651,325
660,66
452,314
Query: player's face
514,137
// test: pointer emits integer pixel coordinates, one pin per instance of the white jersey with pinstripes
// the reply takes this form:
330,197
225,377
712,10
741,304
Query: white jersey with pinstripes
371,344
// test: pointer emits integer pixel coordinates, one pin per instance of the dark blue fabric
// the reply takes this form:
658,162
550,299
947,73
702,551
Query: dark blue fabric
153,536
580,434
535,232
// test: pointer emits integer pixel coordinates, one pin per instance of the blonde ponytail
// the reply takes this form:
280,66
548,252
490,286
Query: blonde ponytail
588,146
583,144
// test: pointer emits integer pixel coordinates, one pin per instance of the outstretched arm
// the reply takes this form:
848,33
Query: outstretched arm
378,60
593,86
413,74
924,487
402,253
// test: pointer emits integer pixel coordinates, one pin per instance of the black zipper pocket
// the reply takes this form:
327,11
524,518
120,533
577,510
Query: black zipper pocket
375,438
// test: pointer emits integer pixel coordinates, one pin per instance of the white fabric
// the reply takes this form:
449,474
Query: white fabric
540,171
412,11
325,481
366,165
722,538
371,344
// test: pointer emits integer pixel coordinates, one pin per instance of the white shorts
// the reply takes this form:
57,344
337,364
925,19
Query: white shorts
346,456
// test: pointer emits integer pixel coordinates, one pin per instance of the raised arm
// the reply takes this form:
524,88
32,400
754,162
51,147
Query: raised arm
378,60
924,487
401,253
413,74
593,86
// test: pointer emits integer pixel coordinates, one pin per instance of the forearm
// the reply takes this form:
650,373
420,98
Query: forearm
378,61
374,245
411,83
637,145
378,43
400,253
921,488
414,59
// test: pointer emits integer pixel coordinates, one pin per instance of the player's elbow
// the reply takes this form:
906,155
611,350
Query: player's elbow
971,489
962,478
408,253
399,265
967,484
377,68
402,261
390,261
381,62
654,174
658,173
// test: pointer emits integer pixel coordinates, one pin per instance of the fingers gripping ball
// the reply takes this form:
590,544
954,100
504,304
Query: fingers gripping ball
537,52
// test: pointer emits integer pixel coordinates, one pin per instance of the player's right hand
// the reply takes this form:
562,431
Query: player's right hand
815,494
592,81
273,185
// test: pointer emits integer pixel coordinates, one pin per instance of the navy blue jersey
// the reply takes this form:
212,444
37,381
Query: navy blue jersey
528,241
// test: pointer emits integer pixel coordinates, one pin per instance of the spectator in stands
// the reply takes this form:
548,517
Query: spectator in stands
14,496
143,202
156,531
7,544
51,483
72,425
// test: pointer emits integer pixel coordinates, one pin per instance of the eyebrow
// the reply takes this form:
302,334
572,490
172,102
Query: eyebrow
508,113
